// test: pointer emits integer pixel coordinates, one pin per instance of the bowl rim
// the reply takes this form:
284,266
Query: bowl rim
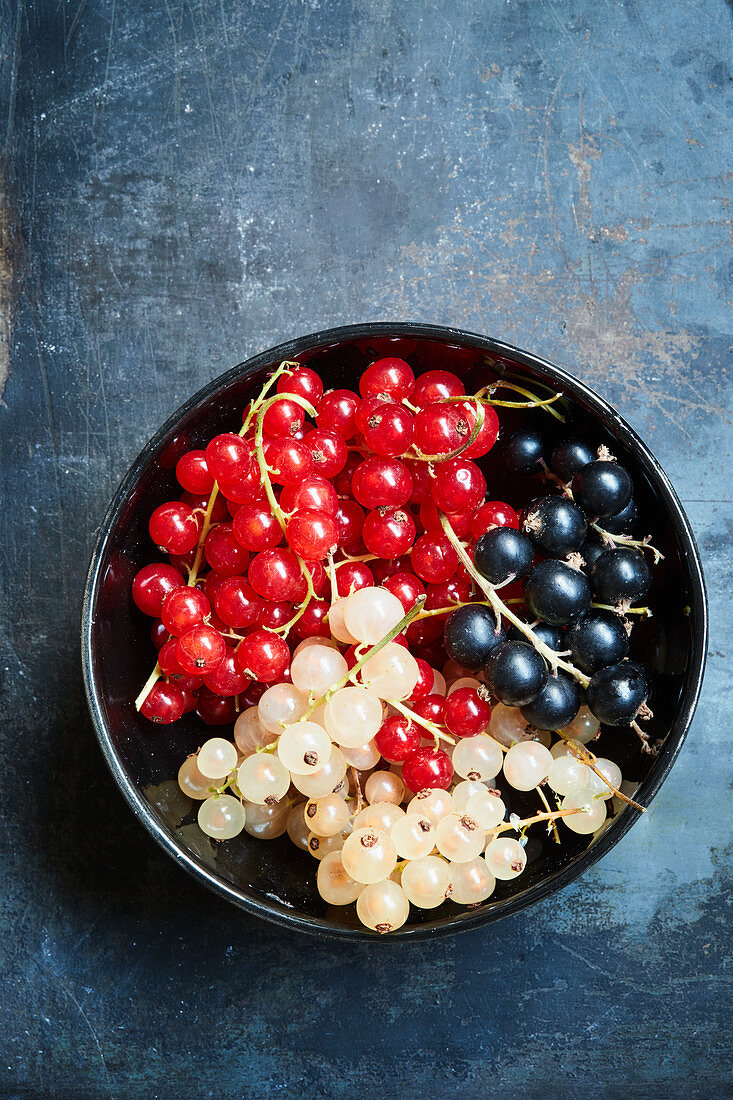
277,912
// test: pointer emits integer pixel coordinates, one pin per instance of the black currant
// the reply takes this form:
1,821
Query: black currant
516,673
556,705
503,554
568,458
591,549
552,636
556,593
523,451
596,640
619,574
471,635
602,488
622,523
616,693
556,525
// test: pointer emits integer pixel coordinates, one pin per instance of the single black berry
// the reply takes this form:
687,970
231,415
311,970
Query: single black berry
471,635
622,523
556,705
555,525
591,549
616,693
552,636
516,673
620,574
596,640
523,451
602,488
570,456
503,554
556,593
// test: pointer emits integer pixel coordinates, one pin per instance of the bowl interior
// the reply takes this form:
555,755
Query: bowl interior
273,878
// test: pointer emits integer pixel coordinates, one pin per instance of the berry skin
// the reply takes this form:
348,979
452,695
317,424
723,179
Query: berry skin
466,713
591,549
200,650
353,575
459,485
434,559
556,525
431,707
494,513
523,452
313,622
555,706
389,430
397,738
289,461
184,608
328,450
393,377
616,693
421,481
552,636
174,527
425,679
336,413
170,666
471,636
388,532
406,587
215,710
229,457
596,640
312,534
427,768
275,574
516,673
436,385
571,456
193,473
304,382
283,418
245,490
488,431
237,604
430,519
274,614
503,554
619,574
227,678
456,591
165,704
622,523
602,488
224,552
556,593
263,656
152,584
255,527
381,483
440,429
350,522
315,493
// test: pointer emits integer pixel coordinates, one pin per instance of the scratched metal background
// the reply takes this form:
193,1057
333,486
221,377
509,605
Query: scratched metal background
185,183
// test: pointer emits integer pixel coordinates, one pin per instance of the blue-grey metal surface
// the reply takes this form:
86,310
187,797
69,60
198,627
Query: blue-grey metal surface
186,183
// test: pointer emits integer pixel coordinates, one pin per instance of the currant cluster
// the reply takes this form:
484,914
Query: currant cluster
339,588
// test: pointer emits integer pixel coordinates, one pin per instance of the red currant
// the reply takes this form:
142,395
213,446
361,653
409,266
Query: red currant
274,574
164,704
427,768
304,382
494,513
174,527
390,430
430,519
456,590
382,569
313,622
433,558
318,580
200,504
152,584
388,532
425,631
284,417
170,666
466,713
434,386
263,656
184,608
312,534
397,738
244,491
256,528
200,650
406,587
381,482
488,431
314,493
328,450
425,680
227,678
342,480
431,707
193,473
224,552
353,575
350,522
275,614
368,406
229,457
336,413
237,604
440,429
289,461
458,486
215,710
158,634
394,377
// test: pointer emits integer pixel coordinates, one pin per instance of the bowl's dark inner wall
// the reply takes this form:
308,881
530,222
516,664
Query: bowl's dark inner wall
275,871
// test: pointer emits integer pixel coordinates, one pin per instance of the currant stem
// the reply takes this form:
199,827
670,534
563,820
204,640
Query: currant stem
646,612
553,815
623,540
480,417
501,608
424,722
284,368
359,795
546,804
584,754
534,400
148,686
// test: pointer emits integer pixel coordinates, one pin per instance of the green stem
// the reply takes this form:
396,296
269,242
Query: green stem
424,722
480,416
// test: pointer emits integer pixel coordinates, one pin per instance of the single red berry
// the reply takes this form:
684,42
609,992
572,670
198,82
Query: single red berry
394,377
189,701
381,569
312,534
184,608
229,457
274,614
433,558
284,417
336,413
425,631
319,580
440,429
342,480
406,587
390,430
466,713
313,622
164,704
152,584
170,666
275,574
314,493
381,482
200,650
397,738
427,768
488,431
246,490
421,480
353,575
304,382
368,406
430,519
289,461
174,527
224,552
263,656
349,522
237,604
458,486
434,386
328,450
425,680
158,634
431,707
193,473
183,562
255,527
227,678
494,513
388,532
215,710
456,590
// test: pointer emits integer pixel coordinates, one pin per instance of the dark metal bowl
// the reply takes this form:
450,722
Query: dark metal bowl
272,878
